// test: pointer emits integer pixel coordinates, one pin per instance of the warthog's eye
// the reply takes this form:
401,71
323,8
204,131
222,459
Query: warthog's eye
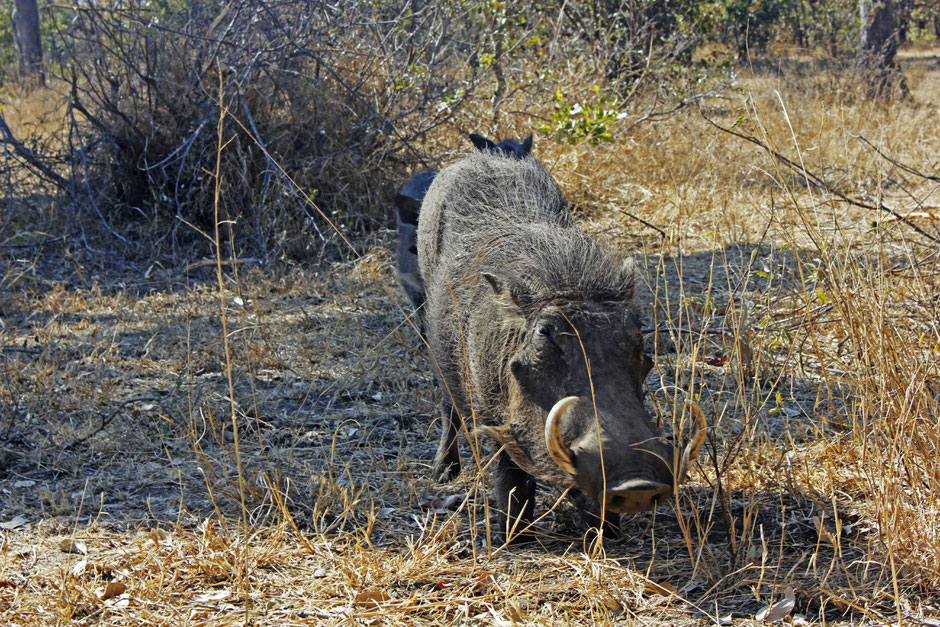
543,330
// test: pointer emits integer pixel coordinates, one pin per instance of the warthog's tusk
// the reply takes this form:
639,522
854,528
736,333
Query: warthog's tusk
695,443
553,439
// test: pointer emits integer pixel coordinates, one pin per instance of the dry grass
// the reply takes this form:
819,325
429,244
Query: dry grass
153,477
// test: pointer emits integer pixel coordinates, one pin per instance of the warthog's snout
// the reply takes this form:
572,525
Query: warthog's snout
647,485
636,495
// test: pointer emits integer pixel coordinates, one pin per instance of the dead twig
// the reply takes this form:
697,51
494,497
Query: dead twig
106,420
894,162
819,182
27,155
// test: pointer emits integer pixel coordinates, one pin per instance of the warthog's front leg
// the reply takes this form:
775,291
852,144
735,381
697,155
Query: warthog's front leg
447,460
514,490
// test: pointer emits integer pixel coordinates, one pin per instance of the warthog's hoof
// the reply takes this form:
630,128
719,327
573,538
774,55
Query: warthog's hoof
446,470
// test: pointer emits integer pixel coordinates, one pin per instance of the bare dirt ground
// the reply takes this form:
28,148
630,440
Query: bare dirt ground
176,450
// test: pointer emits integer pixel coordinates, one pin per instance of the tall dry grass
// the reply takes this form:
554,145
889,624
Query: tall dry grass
296,456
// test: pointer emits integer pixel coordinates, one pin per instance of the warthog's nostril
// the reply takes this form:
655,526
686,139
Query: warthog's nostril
636,496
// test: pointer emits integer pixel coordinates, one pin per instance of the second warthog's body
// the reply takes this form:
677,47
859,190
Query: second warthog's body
538,344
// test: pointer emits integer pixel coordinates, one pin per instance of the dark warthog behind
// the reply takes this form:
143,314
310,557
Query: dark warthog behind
408,207
507,147
533,327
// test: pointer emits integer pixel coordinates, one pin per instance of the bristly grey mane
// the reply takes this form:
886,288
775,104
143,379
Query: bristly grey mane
507,217
542,263
513,191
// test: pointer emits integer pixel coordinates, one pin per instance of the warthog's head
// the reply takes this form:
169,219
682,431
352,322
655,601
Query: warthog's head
574,370
507,147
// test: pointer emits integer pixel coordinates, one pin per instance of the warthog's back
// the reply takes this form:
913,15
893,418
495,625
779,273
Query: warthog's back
482,193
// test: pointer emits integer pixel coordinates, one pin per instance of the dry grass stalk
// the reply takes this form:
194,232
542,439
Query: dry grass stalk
807,337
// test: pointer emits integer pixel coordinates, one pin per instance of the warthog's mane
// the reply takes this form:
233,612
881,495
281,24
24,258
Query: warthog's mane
488,192
543,263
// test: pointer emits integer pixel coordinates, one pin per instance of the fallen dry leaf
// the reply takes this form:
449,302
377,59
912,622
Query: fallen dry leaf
80,567
212,596
83,566
68,545
517,614
451,501
158,535
483,582
662,589
779,610
13,523
612,604
113,589
372,598
120,603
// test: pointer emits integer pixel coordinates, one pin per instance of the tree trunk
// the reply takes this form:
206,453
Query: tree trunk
904,20
25,23
879,47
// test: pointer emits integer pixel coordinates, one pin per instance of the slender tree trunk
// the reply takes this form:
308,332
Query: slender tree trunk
904,20
25,22
877,62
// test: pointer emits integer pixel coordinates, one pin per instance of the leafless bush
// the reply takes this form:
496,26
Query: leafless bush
316,98
325,107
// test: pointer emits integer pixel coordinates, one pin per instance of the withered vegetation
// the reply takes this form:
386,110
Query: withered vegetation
237,426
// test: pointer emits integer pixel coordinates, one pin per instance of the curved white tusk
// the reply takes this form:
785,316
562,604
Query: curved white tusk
695,443
553,438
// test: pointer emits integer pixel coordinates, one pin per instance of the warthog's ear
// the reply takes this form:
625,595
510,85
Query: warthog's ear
482,143
527,145
502,293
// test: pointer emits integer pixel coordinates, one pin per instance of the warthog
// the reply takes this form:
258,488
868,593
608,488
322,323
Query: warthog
408,205
507,147
537,341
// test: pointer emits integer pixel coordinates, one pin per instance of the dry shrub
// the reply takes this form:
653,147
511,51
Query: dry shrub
305,119
322,108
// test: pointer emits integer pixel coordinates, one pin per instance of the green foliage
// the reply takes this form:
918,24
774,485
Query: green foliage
924,22
7,57
583,121
750,26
